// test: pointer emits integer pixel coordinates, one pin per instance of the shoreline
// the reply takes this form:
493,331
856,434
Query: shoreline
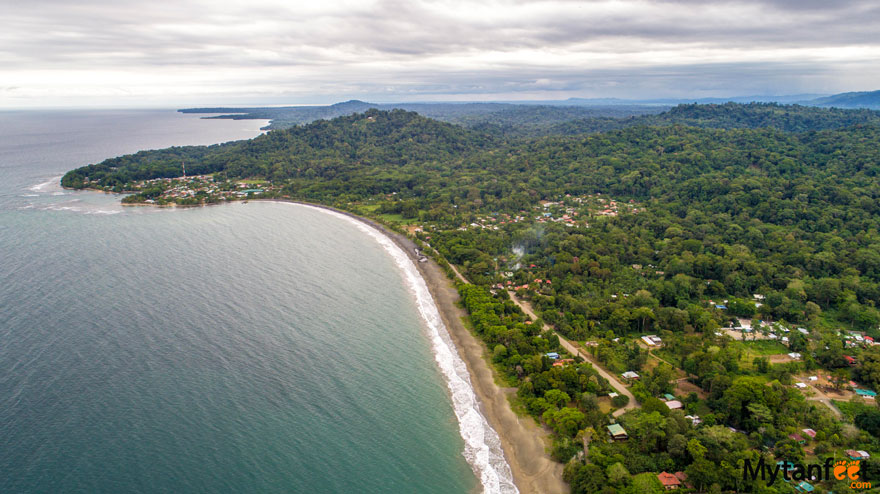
522,440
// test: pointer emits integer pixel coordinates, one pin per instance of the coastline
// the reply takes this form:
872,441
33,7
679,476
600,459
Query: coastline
522,440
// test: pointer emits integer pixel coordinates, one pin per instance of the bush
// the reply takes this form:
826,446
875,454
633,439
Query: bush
620,401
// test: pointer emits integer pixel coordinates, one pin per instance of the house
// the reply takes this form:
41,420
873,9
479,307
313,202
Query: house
670,482
613,395
809,432
797,438
794,355
857,455
674,405
630,375
668,397
552,355
800,385
814,378
695,419
563,362
850,360
617,433
866,392
652,340
804,486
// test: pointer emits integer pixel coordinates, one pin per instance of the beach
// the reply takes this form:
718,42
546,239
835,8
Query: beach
522,440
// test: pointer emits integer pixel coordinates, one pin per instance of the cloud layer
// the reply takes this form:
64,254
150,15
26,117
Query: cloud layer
122,52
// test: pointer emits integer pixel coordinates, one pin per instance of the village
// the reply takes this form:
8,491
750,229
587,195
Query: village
196,190
570,211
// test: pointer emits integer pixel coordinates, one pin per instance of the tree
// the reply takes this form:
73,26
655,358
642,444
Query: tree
565,421
618,474
557,398
645,483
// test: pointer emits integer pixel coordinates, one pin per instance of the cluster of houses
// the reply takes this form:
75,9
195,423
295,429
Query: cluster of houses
855,338
557,360
492,221
187,187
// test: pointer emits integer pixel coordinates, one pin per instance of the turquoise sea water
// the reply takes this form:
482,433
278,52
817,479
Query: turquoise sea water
257,347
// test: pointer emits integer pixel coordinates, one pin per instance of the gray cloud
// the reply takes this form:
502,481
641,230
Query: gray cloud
195,49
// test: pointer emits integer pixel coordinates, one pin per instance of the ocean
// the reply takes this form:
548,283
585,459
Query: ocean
260,347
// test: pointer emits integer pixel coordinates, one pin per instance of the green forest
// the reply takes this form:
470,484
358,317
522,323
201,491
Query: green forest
745,236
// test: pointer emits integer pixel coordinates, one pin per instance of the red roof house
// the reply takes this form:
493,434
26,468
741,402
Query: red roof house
670,482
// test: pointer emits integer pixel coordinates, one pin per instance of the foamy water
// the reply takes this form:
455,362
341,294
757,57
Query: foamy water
482,450
39,187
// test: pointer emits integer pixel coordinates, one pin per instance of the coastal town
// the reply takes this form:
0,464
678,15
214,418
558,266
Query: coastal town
195,190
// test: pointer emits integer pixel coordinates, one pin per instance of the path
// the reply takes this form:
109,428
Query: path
574,349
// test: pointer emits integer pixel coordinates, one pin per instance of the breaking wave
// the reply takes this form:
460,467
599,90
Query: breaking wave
482,448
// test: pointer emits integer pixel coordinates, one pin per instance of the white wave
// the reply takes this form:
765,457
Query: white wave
482,448
103,211
30,195
63,208
39,187
59,193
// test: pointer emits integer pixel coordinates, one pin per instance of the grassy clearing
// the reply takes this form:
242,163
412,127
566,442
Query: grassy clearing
763,347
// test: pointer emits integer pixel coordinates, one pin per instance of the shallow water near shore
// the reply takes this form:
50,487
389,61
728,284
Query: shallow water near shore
241,348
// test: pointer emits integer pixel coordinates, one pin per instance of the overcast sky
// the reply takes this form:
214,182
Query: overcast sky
197,52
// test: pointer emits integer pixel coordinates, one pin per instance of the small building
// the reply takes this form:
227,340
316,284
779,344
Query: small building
630,375
674,405
800,385
669,481
850,360
809,432
668,397
804,486
617,432
857,455
795,355
797,438
866,392
695,419
652,340
552,355
814,378
613,395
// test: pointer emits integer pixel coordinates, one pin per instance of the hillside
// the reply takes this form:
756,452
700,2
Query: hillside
322,149
862,99
788,118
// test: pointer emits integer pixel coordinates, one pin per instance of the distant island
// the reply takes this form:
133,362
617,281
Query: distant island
677,295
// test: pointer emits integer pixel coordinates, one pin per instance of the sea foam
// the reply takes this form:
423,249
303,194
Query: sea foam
482,448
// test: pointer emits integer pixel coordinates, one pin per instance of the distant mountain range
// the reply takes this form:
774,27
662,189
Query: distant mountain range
561,116
861,99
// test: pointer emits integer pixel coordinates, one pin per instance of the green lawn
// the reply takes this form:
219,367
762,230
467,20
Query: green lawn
764,347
